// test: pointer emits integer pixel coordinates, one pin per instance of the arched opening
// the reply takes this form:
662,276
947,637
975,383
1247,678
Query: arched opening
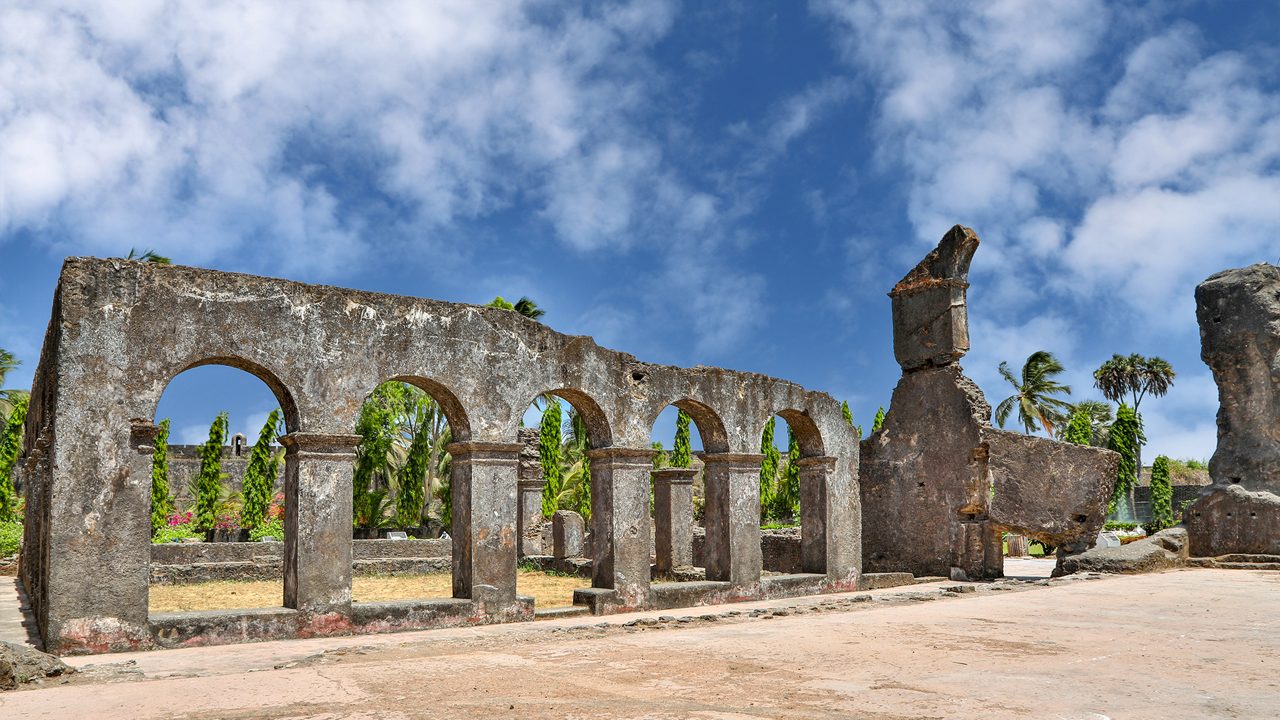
679,436
790,493
401,498
557,432
217,505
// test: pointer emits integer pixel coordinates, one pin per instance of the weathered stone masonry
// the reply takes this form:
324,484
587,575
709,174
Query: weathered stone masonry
120,331
939,484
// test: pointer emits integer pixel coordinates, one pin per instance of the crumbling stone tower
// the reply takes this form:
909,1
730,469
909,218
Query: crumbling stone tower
939,483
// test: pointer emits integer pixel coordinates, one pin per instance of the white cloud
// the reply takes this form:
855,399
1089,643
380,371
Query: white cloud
199,128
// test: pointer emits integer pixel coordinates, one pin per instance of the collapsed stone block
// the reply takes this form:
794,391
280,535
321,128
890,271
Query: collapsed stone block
1232,520
568,534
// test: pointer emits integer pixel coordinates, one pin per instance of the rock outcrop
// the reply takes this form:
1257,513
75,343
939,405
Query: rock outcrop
939,483
1239,315
20,664
1165,550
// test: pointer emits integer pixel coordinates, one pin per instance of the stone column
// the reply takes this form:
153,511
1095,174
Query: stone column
317,536
814,510
673,517
529,514
732,518
483,485
620,522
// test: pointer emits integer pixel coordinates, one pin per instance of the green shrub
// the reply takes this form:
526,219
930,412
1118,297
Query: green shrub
1120,526
174,533
10,538
271,528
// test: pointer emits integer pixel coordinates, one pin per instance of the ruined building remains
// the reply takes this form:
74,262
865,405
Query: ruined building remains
939,484
121,330
1239,315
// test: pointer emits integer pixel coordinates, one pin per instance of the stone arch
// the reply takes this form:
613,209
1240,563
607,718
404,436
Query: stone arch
454,412
710,427
808,436
599,431
285,397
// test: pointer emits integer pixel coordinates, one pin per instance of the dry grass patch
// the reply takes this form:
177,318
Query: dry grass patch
550,591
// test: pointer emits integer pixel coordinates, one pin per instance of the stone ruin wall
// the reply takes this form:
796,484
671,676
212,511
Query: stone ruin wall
1239,315
121,330
939,484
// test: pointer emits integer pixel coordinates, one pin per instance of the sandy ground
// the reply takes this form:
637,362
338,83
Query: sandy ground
549,591
1188,644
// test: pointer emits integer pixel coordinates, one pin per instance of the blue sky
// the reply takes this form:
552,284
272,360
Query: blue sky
736,185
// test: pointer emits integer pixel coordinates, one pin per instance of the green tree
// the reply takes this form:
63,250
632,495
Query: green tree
524,306
681,449
1161,496
10,449
161,495
786,498
8,397
1126,438
768,468
1100,418
150,256
848,416
575,490
372,471
1135,376
661,458
1079,429
1033,394
261,473
208,490
878,421
549,455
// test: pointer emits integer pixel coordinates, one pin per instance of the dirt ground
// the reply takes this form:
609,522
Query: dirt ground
549,591
1187,644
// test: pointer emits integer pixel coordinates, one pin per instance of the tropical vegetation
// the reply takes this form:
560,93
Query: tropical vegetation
1161,496
1134,377
162,502
208,485
1034,394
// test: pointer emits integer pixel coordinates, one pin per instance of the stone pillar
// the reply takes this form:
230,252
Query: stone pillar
732,518
531,483
673,517
484,521
568,533
529,515
814,511
620,522
317,536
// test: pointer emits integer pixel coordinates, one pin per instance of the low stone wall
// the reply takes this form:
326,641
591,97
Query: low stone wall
181,563
780,548
1231,520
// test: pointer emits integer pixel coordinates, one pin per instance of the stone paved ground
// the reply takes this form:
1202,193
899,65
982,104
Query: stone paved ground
1186,644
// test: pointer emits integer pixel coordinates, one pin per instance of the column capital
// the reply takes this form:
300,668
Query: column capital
738,460
465,451
621,453
675,476
320,443
816,463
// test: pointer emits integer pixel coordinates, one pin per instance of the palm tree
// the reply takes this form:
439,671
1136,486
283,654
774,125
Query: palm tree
8,397
150,256
529,309
1136,376
1033,395
1100,419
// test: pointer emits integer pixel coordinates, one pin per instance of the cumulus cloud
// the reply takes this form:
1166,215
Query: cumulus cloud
1107,158
1147,178
201,128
